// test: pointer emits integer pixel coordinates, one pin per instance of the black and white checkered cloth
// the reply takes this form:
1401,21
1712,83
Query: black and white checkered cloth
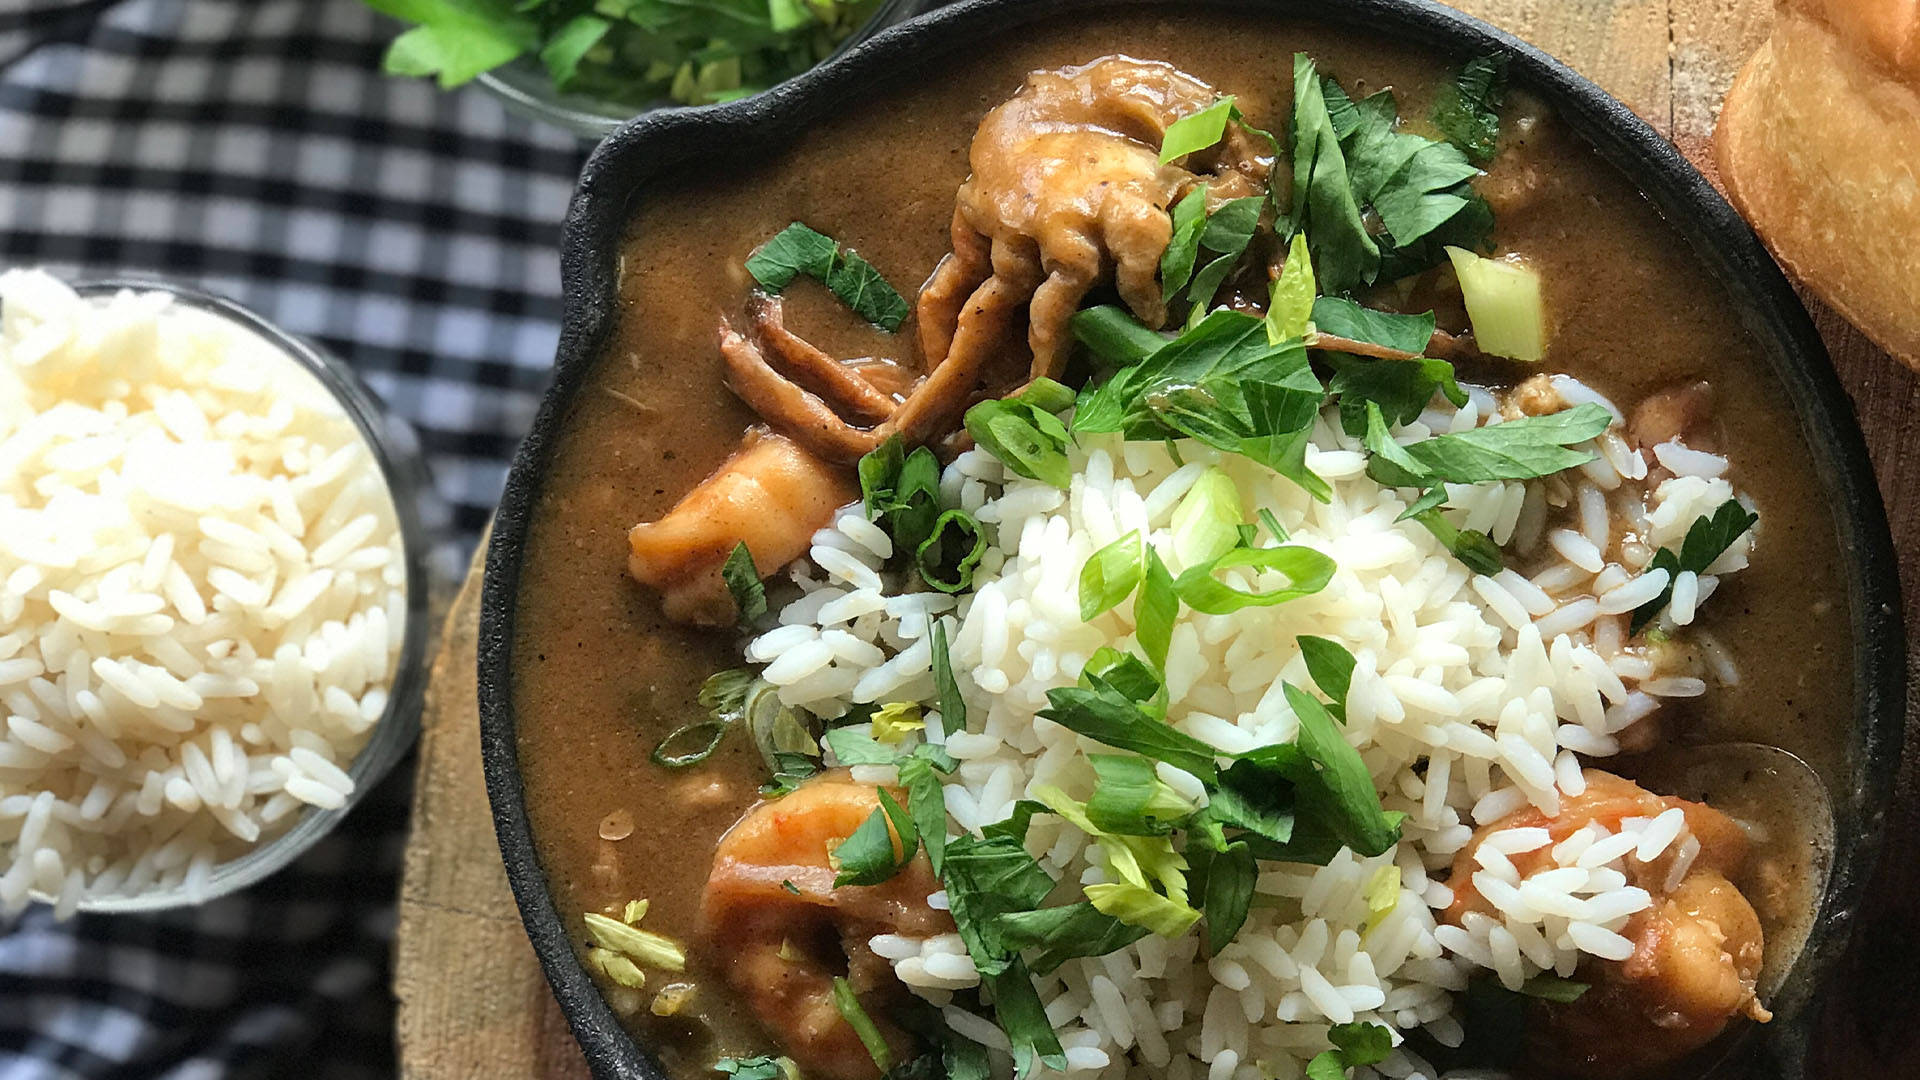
253,147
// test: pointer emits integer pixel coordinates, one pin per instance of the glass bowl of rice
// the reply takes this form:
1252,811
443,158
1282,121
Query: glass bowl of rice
214,594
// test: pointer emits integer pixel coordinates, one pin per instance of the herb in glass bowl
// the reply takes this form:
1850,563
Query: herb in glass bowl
633,53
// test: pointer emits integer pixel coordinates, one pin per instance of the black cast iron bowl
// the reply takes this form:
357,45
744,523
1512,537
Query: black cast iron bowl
660,143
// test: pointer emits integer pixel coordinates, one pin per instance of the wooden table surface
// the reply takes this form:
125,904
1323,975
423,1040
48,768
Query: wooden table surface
472,1000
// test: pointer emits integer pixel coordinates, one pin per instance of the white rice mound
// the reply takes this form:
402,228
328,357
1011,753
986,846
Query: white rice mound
202,593
1472,698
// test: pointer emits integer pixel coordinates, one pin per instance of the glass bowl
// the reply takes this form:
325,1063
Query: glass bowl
528,91
396,448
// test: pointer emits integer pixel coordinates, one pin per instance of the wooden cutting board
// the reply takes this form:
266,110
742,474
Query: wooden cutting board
472,999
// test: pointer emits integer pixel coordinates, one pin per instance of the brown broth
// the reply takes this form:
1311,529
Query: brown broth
602,676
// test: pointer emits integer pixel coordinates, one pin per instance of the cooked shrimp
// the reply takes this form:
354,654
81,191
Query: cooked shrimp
1697,951
786,931
770,495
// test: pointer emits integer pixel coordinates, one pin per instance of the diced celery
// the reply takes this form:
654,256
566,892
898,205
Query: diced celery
1503,301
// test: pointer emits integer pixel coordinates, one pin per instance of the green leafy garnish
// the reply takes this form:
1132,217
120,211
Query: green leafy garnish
1229,230
1196,131
1290,306
1344,318
1350,157
743,584
790,770
881,847
1110,575
1345,255
953,707
848,1003
947,558
1231,875
1339,792
1707,539
1189,220
1064,933
690,744
1307,572
1331,667
1467,110
1354,1045
1025,433
1102,712
798,250
1155,609
1206,524
1129,799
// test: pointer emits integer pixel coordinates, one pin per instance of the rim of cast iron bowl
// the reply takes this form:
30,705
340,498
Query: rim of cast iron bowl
659,143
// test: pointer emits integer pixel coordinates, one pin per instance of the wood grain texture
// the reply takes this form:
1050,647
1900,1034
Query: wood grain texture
472,1001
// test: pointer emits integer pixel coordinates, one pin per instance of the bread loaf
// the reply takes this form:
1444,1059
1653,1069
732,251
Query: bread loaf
1819,146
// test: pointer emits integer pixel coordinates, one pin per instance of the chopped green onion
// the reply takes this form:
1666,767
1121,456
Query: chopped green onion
1204,525
683,747
1307,572
937,567
1110,575
1196,131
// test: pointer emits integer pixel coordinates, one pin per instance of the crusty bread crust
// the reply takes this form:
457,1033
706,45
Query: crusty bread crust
1819,146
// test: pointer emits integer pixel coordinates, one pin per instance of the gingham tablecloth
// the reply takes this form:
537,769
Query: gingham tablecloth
254,148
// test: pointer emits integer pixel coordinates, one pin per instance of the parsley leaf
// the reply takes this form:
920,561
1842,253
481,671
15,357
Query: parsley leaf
1522,449
1101,712
1331,667
1290,305
1339,791
1344,318
1707,539
1228,232
1024,432
1355,1044
756,1068
1467,110
1183,250
1129,799
868,856
1230,879
953,707
1324,208
743,583
1064,933
798,249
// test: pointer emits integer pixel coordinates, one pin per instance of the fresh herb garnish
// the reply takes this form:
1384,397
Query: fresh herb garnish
881,847
1183,248
1467,110
1154,609
1707,539
743,584
848,1004
1290,305
1307,572
1196,131
1129,799
757,1068
1354,1045
1110,575
1102,712
1331,667
948,557
690,744
1350,157
1025,432
1231,874
953,707
1228,232
790,770
798,250
1344,318
1064,933
724,696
